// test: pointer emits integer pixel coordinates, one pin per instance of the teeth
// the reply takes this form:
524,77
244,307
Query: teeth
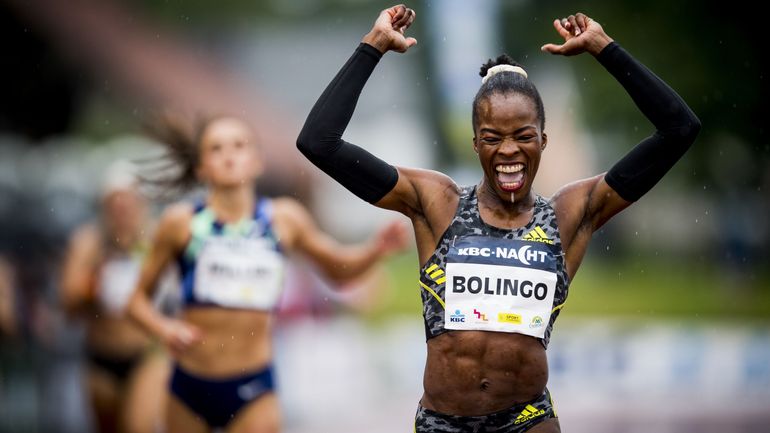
513,168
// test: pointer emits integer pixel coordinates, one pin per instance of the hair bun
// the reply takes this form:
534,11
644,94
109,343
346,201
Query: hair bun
503,68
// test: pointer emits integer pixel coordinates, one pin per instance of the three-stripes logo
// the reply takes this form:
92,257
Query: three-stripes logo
529,413
480,315
538,235
436,274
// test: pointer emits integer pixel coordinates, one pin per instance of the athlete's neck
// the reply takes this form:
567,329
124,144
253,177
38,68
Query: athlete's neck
231,204
492,200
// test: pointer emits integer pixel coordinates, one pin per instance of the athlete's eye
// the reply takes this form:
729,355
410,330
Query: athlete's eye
526,138
490,139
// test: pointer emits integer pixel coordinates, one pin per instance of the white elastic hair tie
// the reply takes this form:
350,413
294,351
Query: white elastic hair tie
503,68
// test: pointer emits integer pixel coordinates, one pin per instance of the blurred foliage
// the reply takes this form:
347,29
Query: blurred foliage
707,51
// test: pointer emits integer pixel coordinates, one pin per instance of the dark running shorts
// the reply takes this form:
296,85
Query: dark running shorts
516,419
217,401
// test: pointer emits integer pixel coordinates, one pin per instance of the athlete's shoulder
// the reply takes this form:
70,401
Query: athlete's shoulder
288,209
174,222
575,194
292,221
429,178
177,213
286,205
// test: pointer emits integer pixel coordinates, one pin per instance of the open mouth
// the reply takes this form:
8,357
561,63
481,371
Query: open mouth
510,177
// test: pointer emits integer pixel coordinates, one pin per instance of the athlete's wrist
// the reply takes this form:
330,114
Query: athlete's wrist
596,46
377,40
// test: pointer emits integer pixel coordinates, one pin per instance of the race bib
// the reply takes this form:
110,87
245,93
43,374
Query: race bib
500,285
117,280
239,273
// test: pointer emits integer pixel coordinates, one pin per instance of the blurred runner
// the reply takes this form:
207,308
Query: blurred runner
231,249
126,369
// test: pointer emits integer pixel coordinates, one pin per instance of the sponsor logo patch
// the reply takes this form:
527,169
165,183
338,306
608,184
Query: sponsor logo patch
509,318
529,413
479,315
538,235
457,317
536,322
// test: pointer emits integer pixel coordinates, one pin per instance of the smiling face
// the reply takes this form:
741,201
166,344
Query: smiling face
228,154
509,141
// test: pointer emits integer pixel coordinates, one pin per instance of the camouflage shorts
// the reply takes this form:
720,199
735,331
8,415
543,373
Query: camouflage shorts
517,419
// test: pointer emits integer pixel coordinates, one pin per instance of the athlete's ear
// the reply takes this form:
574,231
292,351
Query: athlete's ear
545,141
475,145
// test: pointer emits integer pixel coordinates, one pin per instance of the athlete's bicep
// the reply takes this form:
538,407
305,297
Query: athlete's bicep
416,190
603,203
585,205
79,265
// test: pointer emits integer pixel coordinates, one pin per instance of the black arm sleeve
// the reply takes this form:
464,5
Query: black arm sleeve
676,125
321,142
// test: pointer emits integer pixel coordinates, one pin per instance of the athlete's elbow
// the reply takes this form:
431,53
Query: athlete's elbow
693,127
684,134
305,142
315,144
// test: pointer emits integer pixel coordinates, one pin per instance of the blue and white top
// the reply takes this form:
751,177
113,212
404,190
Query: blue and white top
238,265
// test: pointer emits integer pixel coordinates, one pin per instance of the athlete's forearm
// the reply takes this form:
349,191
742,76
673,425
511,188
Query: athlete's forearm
321,142
676,125
141,311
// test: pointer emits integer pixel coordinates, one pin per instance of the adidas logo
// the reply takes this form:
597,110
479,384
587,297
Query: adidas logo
538,235
528,413
436,274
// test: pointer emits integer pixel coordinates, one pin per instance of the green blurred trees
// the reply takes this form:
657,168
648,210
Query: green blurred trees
709,52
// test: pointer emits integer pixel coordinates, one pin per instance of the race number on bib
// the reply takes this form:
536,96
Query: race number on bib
239,273
500,285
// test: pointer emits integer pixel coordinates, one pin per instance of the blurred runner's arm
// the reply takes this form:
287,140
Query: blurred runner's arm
170,238
79,268
298,232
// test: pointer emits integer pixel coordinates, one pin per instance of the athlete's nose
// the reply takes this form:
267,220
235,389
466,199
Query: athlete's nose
509,146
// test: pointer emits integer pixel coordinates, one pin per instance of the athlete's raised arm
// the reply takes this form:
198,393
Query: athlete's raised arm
594,201
359,171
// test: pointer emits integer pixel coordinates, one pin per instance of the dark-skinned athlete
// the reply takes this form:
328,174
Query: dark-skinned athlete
496,259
